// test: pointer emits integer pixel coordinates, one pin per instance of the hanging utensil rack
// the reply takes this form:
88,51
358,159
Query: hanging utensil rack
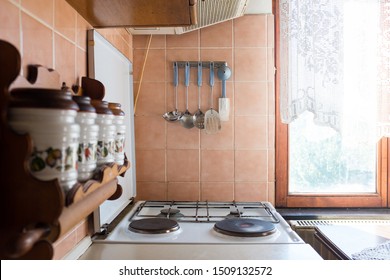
205,64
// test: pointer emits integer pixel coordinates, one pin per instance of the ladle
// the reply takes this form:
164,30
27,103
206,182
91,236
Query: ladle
186,119
175,115
199,116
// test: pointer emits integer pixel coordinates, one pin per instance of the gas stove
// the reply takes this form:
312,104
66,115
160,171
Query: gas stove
202,222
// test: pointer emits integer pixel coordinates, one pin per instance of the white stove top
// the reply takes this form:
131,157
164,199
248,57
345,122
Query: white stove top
196,223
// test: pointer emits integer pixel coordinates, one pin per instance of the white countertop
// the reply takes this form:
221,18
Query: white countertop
121,251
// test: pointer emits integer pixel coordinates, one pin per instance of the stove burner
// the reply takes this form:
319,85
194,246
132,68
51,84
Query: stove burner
245,227
154,225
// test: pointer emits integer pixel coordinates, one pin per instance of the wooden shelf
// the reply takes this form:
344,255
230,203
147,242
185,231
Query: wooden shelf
36,213
136,13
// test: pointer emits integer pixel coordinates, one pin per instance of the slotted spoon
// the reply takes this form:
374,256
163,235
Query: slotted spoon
186,119
199,116
212,122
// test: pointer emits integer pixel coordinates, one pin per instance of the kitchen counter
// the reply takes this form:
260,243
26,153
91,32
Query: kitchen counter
345,240
120,251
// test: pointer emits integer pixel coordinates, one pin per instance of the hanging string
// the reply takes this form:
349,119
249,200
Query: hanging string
142,74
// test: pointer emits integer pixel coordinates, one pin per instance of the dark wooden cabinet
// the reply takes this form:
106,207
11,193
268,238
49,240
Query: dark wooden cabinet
136,13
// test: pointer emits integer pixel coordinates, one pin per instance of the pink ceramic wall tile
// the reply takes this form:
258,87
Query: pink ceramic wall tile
217,166
251,98
42,9
179,137
223,140
183,165
271,192
37,42
81,230
251,191
271,131
217,54
271,98
151,98
270,30
251,166
217,191
217,36
183,191
152,191
65,66
271,165
65,19
9,23
270,65
65,244
150,165
250,64
154,67
149,132
251,132
81,64
186,40
142,41
250,31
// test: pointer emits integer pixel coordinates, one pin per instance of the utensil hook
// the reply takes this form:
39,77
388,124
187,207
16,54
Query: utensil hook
211,82
187,80
175,81
199,82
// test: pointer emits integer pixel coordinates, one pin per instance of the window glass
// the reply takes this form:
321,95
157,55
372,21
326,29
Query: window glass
323,161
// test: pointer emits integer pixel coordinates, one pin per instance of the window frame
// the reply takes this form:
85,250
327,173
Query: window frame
282,197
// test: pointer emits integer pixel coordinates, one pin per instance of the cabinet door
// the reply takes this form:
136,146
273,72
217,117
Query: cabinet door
109,66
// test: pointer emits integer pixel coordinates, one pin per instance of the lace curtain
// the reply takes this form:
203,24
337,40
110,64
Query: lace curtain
335,63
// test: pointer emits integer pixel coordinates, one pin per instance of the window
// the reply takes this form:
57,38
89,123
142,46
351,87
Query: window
318,167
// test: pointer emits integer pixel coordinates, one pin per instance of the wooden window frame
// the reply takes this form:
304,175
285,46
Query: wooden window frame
283,198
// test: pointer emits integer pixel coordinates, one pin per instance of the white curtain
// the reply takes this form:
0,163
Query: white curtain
335,63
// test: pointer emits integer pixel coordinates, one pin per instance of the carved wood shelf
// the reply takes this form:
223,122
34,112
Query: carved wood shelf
36,213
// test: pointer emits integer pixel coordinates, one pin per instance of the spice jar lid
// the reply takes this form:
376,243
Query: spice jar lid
116,108
101,107
84,103
42,98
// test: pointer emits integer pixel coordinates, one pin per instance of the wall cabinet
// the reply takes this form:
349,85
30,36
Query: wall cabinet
136,13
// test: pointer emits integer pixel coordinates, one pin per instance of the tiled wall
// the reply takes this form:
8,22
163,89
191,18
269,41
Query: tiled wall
53,34
187,164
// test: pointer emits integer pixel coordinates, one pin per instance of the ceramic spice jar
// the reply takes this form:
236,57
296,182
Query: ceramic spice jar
120,136
48,115
106,138
89,132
